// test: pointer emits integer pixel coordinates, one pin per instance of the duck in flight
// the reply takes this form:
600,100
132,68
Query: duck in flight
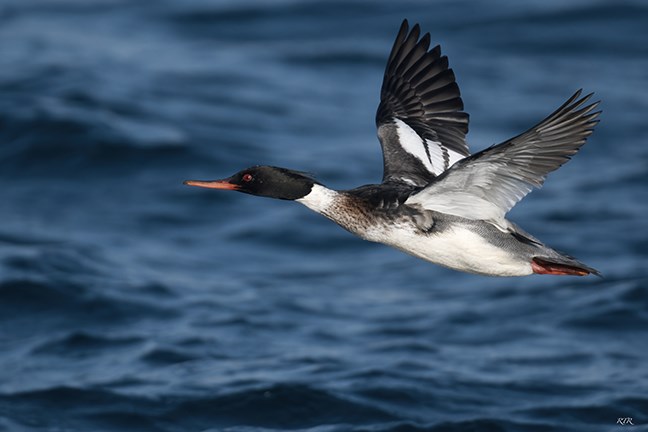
436,200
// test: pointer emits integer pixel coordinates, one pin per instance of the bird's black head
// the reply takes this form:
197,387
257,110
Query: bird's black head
267,181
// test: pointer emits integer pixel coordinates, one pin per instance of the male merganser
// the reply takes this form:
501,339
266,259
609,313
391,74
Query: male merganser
436,201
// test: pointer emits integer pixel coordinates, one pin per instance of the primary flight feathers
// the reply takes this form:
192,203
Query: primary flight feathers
421,125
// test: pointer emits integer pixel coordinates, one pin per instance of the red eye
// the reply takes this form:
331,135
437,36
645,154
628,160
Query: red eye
247,177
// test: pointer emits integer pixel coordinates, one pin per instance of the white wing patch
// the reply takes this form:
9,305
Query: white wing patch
412,143
434,156
437,156
454,157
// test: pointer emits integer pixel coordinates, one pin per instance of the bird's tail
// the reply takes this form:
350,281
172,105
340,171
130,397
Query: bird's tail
561,265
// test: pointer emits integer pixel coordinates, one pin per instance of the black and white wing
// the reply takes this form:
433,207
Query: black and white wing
421,125
489,183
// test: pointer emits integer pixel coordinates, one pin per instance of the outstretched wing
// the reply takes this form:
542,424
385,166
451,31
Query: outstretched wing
421,125
488,184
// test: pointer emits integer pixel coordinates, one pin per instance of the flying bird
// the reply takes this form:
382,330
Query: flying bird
436,200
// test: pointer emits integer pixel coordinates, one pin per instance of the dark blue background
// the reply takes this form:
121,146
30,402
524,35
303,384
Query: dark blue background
130,302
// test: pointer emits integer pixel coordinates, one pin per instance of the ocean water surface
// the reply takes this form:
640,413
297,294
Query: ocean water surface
129,302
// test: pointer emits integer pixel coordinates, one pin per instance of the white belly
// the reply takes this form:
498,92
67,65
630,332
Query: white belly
457,248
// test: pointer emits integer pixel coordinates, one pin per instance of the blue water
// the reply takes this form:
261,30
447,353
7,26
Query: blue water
129,302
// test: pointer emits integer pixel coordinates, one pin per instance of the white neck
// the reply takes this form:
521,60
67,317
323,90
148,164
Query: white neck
319,199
